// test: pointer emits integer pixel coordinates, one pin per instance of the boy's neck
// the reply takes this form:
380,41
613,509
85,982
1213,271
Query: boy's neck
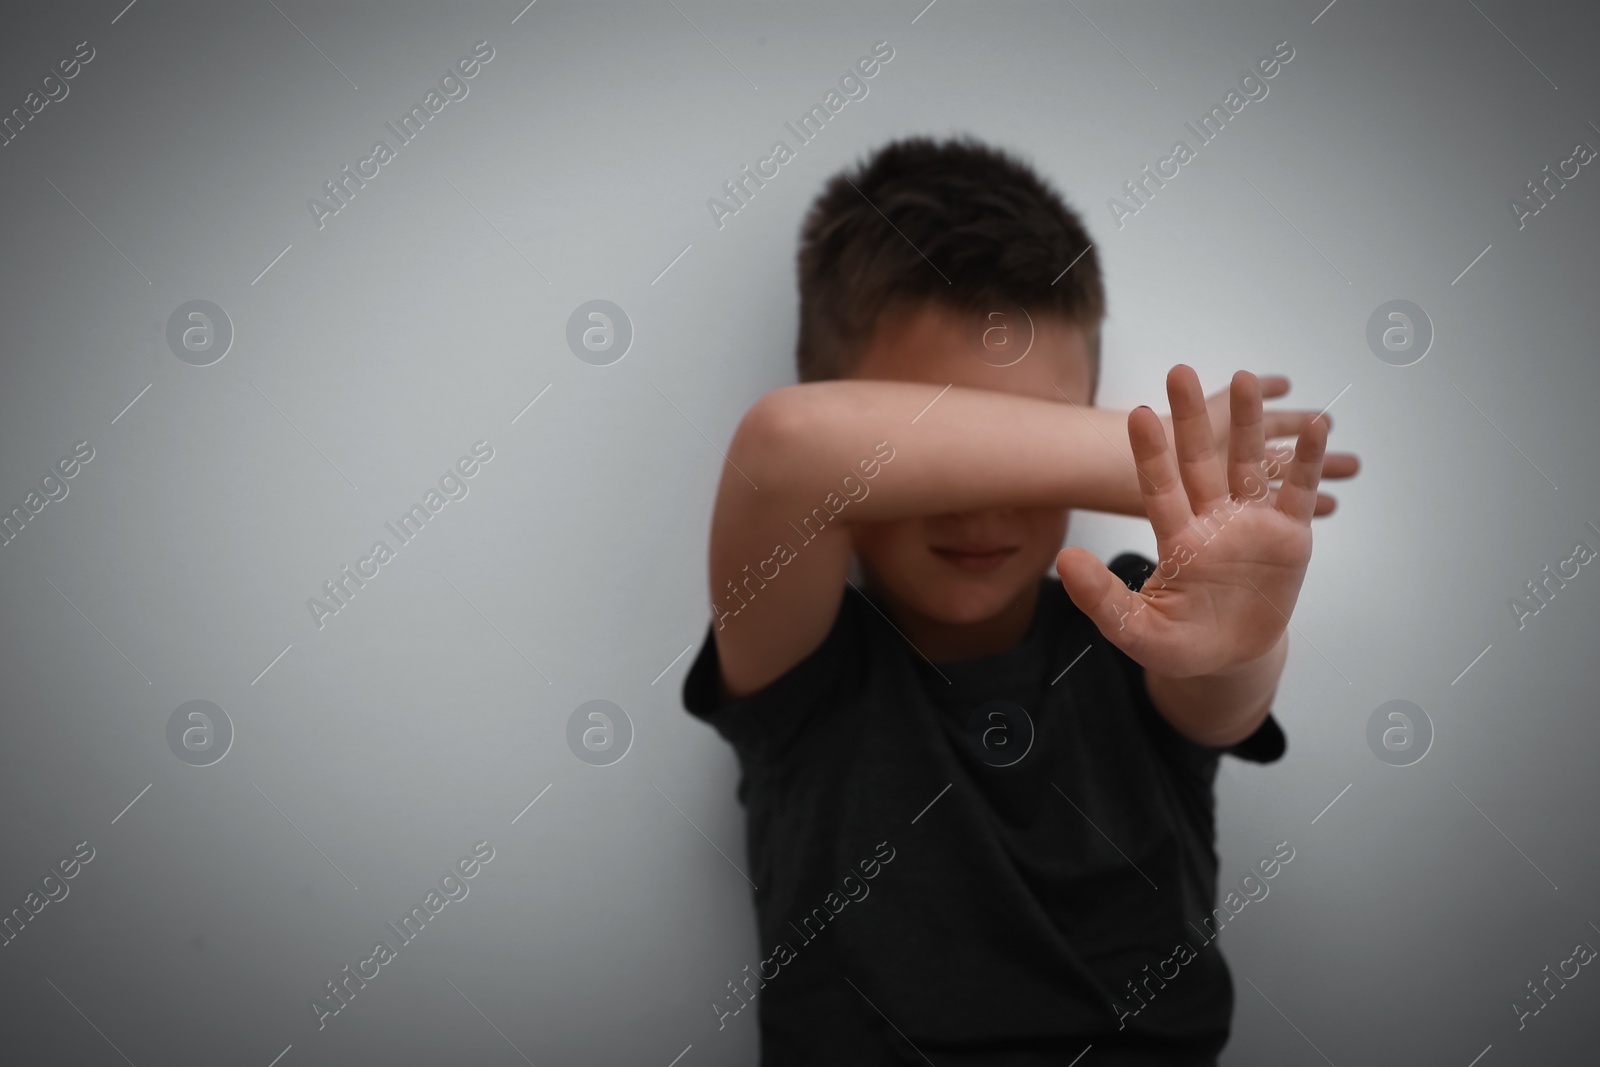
945,642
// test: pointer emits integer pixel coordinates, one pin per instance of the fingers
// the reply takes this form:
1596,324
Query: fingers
1284,424
1247,443
1273,385
1195,470
1326,504
1164,501
1100,595
1334,464
1297,496
1288,423
1198,463
1340,465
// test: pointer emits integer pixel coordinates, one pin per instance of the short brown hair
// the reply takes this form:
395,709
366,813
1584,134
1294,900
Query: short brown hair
956,223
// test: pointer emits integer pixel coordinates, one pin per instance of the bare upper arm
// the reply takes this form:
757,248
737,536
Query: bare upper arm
776,580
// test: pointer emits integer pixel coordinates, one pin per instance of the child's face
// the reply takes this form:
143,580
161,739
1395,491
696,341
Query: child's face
968,567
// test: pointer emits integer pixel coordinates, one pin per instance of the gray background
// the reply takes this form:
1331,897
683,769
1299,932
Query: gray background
376,350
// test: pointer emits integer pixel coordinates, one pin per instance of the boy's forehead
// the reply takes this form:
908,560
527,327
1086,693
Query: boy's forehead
942,346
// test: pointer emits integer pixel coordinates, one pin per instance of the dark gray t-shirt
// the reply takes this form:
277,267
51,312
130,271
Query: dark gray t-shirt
975,862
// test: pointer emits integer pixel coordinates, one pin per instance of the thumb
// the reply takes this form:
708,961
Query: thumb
1099,594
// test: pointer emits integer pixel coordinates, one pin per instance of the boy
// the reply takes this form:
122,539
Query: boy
980,812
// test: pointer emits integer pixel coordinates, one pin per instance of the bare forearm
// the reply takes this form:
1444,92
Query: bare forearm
972,449
1225,707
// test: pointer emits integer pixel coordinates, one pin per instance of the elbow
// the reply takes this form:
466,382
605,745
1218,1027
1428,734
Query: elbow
766,438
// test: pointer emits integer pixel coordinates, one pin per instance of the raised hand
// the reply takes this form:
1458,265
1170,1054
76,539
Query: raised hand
1232,550
1277,424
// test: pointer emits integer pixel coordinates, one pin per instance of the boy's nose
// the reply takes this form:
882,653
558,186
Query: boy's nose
988,520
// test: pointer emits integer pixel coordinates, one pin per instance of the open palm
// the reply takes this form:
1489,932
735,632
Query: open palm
1233,551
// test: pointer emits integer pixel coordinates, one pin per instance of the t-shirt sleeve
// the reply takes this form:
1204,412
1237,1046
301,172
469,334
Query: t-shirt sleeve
1266,745
762,725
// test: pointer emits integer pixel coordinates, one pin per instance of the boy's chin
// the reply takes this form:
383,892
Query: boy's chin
965,601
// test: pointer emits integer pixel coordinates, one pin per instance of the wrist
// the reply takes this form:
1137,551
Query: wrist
1224,706
1272,657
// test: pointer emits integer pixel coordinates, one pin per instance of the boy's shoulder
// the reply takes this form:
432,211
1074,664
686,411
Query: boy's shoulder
764,722
864,661
863,646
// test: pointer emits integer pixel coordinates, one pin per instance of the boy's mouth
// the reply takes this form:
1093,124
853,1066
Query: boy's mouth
975,559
